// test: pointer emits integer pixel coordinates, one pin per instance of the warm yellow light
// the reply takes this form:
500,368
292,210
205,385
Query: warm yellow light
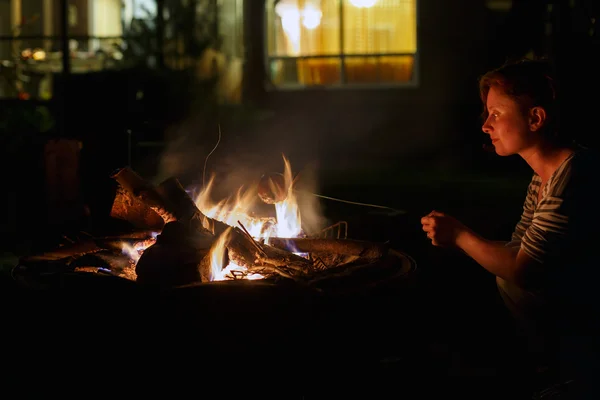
26,53
363,3
39,55
290,21
311,17
292,17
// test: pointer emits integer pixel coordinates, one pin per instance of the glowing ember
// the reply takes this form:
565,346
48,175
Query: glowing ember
133,252
220,272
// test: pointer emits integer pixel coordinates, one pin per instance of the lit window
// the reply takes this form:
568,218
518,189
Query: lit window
329,42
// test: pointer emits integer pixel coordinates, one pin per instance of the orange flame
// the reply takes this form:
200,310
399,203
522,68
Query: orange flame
220,271
287,222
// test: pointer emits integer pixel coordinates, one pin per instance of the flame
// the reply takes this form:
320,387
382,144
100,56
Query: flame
287,222
230,211
133,252
220,271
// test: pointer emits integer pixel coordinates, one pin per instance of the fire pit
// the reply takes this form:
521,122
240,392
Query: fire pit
180,241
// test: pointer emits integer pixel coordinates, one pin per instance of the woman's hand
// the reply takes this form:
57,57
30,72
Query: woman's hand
442,229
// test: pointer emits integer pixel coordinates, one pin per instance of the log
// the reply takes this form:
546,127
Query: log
64,253
359,248
175,258
143,191
169,200
128,236
243,252
129,208
118,264
184,208
116,245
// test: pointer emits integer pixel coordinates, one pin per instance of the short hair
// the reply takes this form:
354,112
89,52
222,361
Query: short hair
531,83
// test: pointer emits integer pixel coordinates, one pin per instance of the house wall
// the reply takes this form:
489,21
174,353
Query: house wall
375,129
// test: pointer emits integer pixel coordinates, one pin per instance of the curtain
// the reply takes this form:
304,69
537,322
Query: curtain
304,28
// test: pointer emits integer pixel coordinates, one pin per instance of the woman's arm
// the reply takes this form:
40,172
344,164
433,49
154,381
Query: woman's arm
508,263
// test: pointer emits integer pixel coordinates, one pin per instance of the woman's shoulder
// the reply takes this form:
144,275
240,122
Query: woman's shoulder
579,172
585,159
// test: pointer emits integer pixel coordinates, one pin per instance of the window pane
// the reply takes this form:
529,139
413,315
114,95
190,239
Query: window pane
93,18
303,27
315,71
378,69
379,26
231,27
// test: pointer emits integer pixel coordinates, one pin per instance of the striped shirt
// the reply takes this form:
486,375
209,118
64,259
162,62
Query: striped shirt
560,231
545,223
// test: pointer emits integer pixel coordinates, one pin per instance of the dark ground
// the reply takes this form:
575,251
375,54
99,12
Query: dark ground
441,332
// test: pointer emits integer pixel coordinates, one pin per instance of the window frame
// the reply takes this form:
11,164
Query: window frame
412,84
66,68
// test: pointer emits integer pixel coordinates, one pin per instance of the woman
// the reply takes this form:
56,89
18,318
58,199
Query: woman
544,272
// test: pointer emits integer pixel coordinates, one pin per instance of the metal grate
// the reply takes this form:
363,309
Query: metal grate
338,230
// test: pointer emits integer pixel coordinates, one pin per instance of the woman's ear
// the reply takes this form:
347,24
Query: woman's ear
537,118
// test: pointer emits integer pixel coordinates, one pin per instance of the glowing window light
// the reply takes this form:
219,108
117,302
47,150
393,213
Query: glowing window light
363,3
311,17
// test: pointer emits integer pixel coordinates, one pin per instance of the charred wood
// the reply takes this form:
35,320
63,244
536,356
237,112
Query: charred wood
242,250
175,258
143,191
131,209
348,247
169,200
64,253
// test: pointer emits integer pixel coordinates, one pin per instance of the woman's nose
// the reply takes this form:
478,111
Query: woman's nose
486,128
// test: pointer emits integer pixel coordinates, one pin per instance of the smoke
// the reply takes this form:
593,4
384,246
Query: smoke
187,144
235,164
307,184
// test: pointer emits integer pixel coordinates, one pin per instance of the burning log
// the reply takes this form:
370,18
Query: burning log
348,247
175,258
177,199
67,252
105,261
116,245
244,251
129,208
169,200
265,255
143,191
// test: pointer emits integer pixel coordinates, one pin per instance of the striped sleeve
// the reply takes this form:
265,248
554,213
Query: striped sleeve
527,215
550,224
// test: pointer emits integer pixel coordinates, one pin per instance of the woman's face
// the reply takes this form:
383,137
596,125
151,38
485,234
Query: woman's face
508,126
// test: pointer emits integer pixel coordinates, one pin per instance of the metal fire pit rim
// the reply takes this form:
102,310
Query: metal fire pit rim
269,282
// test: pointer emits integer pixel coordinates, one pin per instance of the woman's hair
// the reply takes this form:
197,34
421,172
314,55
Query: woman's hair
531,83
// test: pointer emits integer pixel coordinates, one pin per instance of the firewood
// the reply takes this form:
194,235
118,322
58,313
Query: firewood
272,188
144,191
129,208
179,201
116,245
127,236
71,251
244,253
169,200
348,247
175,258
